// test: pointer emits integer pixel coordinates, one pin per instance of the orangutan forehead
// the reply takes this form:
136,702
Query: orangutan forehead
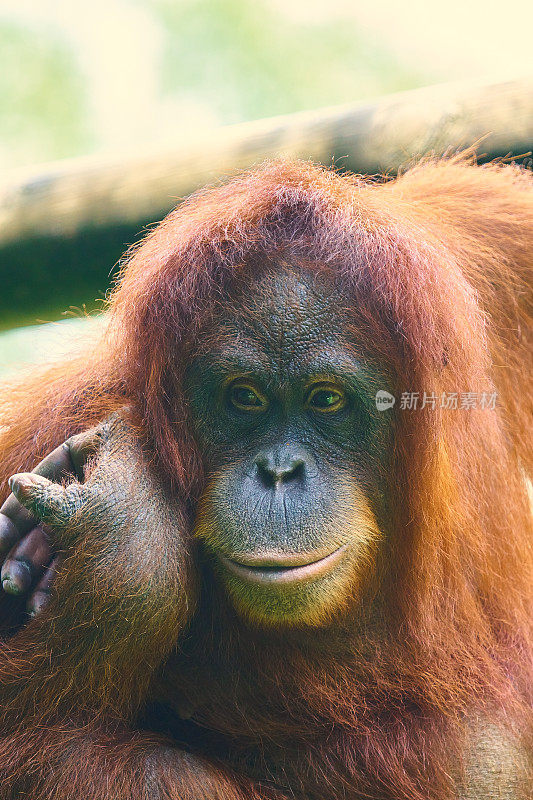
288,325
286,313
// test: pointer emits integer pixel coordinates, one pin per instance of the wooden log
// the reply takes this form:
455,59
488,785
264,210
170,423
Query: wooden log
63,198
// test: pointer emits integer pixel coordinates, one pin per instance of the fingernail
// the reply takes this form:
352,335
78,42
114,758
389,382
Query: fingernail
40,601
18,484
15,484
18,579
9,587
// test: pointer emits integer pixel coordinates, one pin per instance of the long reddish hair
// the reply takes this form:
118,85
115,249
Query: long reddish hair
437,264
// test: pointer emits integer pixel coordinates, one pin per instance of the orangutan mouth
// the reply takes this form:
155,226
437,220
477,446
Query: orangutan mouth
282,569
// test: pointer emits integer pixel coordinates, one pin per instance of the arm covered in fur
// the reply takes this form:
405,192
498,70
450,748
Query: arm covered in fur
73,679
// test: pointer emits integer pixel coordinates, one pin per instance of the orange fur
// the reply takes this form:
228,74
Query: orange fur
438,265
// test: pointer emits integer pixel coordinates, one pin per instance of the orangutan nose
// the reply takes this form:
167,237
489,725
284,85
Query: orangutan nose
276,467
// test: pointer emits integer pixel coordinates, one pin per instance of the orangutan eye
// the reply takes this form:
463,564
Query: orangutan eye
326,399
247,398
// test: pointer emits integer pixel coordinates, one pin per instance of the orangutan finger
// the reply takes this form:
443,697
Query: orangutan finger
50,502
26,562
68,459
56,466
81,447
9,533
40,597
19,516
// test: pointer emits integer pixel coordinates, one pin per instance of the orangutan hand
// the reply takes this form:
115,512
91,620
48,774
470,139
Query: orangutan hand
29,561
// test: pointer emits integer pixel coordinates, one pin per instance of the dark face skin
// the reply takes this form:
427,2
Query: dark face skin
295,452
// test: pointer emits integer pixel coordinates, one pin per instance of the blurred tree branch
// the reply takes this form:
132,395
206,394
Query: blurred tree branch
63,225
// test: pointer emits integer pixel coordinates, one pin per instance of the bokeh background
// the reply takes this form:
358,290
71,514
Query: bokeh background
116,76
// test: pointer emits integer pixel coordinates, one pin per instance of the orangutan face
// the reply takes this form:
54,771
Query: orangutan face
284,411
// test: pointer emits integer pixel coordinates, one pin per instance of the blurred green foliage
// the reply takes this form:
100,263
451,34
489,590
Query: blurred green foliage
245,62
42,95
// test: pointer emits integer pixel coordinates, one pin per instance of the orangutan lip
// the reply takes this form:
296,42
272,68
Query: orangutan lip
276,571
